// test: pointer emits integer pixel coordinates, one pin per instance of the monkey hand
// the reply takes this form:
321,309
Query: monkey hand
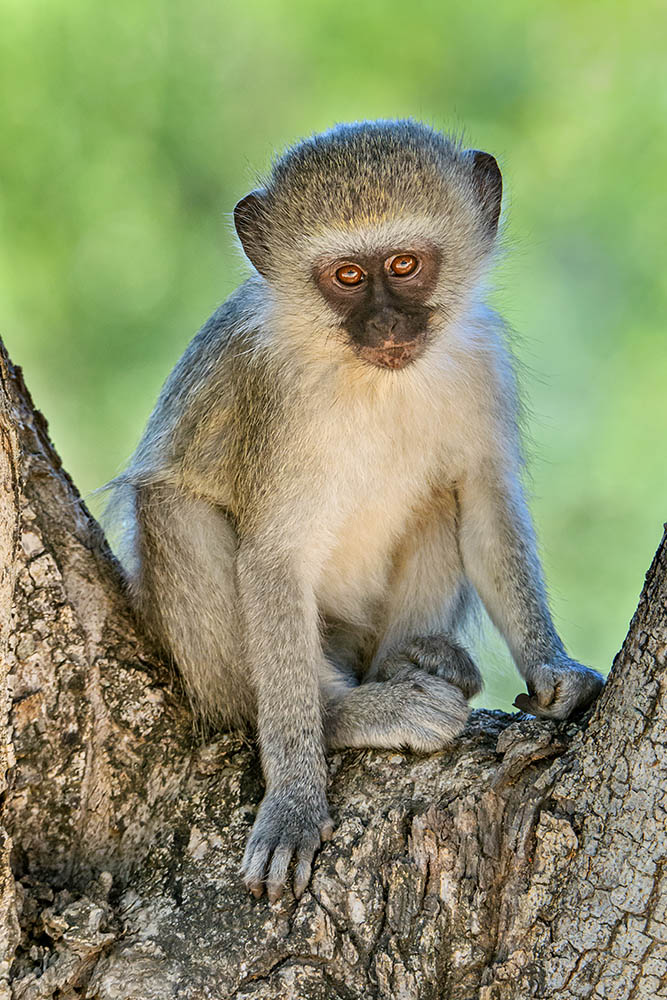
290,823
559,689
438,654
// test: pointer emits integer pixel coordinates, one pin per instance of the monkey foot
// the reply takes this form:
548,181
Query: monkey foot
288,827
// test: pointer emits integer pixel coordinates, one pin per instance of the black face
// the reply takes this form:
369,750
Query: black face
381,300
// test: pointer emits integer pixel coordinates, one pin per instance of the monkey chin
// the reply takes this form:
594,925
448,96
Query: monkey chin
390,355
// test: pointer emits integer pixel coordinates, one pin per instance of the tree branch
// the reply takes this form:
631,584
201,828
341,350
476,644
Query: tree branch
528,861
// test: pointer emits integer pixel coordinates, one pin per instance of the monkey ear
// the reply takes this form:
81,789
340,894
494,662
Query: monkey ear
250,224
488,183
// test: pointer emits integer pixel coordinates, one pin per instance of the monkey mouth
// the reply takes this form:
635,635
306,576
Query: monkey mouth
390,354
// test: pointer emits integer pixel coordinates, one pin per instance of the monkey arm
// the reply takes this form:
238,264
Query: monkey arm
500,559
283,650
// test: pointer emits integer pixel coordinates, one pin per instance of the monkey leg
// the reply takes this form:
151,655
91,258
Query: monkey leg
413,710
186,592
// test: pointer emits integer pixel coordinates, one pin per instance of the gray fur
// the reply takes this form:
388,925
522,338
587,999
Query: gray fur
440,655
304,533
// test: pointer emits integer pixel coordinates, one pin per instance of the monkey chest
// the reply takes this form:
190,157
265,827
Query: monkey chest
379,467
361,539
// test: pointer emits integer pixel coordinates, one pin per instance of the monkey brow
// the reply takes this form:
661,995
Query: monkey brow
374,238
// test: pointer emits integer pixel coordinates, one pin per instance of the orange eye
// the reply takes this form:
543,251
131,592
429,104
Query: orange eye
403,264
350,274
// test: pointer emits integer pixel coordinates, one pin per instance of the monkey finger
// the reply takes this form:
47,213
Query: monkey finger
327,829
254,866
302,872
526,703
548,696
275,880
533,706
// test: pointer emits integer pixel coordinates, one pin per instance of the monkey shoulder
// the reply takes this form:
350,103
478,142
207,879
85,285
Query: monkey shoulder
200,400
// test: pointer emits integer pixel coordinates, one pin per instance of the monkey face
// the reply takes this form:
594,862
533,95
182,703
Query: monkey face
381,299
372,237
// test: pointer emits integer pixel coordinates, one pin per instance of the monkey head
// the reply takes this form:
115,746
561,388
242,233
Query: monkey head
375,232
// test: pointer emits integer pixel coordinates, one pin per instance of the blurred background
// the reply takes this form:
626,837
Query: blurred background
129,130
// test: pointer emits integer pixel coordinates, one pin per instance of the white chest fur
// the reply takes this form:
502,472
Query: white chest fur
384,452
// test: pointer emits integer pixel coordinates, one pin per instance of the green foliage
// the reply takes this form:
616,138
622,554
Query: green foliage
130,129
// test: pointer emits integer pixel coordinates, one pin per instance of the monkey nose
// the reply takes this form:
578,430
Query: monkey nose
384,327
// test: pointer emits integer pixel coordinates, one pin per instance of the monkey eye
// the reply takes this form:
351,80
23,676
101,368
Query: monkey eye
402,265
350,274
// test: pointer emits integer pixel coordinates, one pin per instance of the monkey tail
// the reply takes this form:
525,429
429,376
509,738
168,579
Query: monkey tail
119,522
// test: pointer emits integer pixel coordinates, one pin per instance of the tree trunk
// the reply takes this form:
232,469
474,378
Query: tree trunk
528,861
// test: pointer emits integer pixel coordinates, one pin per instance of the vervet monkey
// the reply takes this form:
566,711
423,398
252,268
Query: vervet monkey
331,478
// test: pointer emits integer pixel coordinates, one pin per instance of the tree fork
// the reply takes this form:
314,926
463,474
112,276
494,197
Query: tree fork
526,862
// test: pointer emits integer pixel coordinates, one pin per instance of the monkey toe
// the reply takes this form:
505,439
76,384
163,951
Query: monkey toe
434,712
437,654
460,669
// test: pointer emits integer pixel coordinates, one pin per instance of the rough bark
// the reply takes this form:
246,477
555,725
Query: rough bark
528,861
